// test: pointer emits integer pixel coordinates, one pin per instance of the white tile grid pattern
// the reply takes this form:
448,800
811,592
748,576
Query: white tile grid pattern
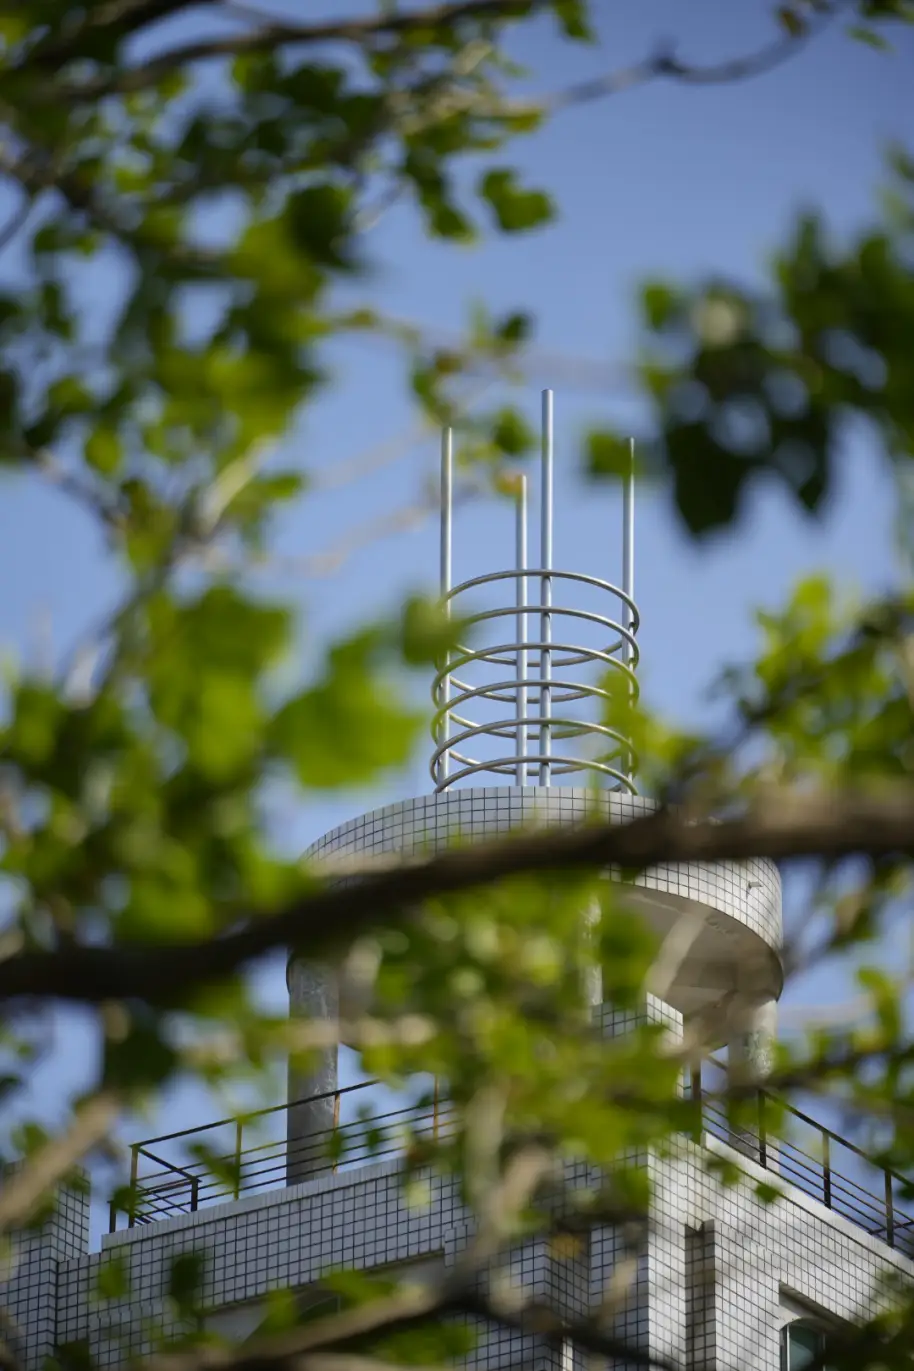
743,1247
30,1292
749,892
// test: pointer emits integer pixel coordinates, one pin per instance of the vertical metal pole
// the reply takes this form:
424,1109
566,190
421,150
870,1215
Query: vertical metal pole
521,633
696,1095
447,523
435,1111
762,1131
546,587
134,1174
239,1127
826,1169
889,1210
628,570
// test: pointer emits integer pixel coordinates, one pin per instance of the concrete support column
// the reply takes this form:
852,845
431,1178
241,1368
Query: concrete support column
313,1079
750,1055
751,1051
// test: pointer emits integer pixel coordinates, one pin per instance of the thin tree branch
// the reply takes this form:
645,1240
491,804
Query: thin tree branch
125,17
784,825
16,222
36,1177
663,64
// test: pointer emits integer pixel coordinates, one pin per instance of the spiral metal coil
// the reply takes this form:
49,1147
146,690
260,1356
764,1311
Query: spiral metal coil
521,705
528,707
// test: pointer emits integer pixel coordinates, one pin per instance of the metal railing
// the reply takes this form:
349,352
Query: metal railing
209,1172
162,1188
868,1199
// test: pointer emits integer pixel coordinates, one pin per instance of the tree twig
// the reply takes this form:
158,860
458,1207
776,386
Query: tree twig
37,1176
663,64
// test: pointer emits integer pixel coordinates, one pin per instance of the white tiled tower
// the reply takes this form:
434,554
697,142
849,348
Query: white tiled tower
722,1273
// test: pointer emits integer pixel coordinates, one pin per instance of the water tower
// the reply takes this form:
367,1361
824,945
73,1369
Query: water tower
518,739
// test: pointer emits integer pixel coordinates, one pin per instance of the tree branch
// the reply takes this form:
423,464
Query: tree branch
279,33
36,1177
123,16
782,826
276,34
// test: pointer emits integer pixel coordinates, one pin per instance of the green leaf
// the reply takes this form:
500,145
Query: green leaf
791,21
140,1058
512,434
318,218
428,632
862,33
103,450
768,1194
185,1281
37,717
607,453
349,727
70,396
515,209
75,1356
661,304
113,1278
574,19
516,328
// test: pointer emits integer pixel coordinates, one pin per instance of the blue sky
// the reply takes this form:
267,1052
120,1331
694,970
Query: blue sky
660,181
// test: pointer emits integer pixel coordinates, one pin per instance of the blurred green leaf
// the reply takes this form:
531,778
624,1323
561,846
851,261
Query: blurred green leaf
113,1278
185,1282
351,725
515,209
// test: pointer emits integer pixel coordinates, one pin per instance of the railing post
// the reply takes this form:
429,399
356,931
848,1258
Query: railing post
112,1217
336,1125
239,1128
889,1210
194,1193
826,1170
762,1137
435,1112
695,1092
134,1176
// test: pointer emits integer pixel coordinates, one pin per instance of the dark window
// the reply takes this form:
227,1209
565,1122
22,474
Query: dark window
803,1346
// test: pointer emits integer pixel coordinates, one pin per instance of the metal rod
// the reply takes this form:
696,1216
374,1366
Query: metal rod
336,1123
628,569
546,584
134,1175
762,1131
521,588
447,527
239,1130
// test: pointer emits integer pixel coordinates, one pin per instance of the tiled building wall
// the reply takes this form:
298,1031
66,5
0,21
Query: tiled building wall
29,1290
708,1283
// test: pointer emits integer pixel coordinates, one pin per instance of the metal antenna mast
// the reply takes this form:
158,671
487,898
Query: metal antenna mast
523,705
